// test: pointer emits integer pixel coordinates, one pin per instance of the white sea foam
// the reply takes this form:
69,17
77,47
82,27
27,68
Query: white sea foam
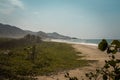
72,42
92,44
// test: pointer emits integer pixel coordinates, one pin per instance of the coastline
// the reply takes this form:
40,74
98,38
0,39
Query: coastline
89,52
72,42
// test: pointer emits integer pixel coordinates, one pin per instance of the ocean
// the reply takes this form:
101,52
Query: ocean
93,42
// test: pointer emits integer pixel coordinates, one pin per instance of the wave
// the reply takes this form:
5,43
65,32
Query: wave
73,42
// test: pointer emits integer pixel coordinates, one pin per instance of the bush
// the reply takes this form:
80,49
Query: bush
13,67
103,45
116,42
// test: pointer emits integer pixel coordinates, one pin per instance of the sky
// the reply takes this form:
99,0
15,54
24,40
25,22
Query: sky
85,19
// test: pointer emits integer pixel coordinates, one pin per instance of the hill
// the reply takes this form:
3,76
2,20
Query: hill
55,35
11,31
15,32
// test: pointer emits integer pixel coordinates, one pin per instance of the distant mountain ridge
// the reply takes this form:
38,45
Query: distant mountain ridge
55,35
15,32
11,31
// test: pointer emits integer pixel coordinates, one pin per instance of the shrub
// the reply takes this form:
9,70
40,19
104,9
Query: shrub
103,45
116,42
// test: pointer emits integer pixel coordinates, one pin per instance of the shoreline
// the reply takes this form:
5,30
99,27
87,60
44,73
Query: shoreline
71,42
89,52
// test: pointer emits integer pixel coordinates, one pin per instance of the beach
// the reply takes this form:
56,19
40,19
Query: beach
89,52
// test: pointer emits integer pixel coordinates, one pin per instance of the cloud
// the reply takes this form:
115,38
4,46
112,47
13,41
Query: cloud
9,6
17,3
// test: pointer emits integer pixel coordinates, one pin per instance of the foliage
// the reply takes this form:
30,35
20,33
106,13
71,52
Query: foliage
14,67
24,59
116,42
103,45
32,53
58,57
110,70
7,43
32,38
69,77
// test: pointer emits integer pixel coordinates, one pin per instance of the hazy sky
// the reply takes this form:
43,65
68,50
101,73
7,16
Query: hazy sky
78,18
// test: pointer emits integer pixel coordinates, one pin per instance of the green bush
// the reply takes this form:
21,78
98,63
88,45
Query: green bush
116,42
103,45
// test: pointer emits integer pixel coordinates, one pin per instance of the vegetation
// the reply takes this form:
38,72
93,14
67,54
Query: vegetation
58,57
110,70
25,58
103,45
69,77
116,42
9,43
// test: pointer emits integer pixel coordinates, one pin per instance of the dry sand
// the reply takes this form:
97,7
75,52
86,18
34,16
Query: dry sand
90,53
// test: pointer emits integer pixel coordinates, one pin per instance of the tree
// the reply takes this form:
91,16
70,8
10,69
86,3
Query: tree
103,45
27,37
32,38
31,51
38,39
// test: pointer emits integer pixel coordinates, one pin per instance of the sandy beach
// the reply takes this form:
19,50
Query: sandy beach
89,52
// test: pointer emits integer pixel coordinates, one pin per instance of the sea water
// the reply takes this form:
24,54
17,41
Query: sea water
93,42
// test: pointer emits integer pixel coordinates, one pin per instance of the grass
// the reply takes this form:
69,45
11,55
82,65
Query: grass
51,57
62,56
